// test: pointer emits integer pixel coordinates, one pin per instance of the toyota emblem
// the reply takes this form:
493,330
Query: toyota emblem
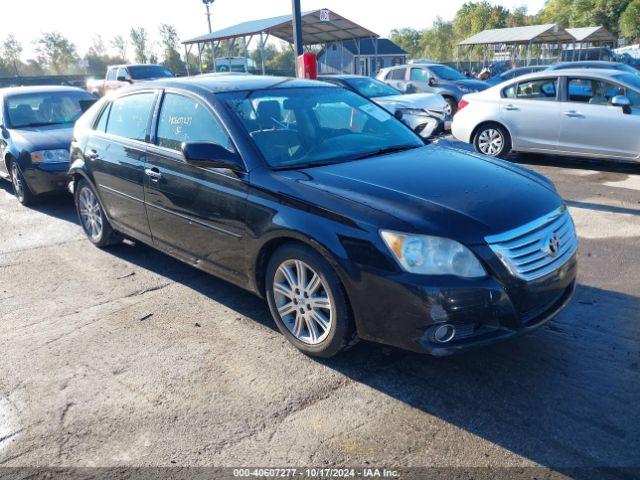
552,246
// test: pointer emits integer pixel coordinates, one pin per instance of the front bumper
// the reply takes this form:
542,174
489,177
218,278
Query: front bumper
404,310
46,177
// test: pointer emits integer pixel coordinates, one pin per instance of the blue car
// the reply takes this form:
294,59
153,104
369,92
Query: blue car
36,125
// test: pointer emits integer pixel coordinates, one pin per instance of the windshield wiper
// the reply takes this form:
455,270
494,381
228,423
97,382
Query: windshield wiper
384,151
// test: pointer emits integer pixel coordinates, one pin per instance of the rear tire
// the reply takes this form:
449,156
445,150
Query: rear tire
452,106
493,140
92,218
20,186
307,301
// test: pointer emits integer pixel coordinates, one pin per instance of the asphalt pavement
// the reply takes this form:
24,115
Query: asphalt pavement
126,357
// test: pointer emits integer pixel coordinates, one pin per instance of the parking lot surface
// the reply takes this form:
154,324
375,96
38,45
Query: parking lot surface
128,357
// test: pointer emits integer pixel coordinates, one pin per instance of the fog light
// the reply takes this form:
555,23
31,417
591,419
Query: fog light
443,333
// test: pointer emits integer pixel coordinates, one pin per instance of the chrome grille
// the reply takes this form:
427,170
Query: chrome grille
537,248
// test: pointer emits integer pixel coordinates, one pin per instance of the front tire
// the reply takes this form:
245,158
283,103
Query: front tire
92,218
307,301
20,187
493,140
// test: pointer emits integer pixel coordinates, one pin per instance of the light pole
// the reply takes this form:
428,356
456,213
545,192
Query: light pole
207,4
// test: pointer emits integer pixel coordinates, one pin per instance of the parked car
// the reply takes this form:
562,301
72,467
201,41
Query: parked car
590,54
514,73
582,112
119,76
423,112
36,124
324,203
598,65
431,78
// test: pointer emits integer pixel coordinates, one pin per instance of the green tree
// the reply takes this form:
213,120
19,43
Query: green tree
474,17
119,43
556,11
408,39
170,42
10,55
438,41
140,40
284,62
630,22
520,17
57,53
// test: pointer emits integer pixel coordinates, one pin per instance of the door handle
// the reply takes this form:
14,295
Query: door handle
572,114
511,107
153,173
92,154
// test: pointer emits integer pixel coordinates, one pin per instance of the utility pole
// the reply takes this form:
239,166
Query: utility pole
297,27
207,4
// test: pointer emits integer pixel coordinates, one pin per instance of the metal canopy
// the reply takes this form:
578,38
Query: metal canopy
591,34
548,33
314,30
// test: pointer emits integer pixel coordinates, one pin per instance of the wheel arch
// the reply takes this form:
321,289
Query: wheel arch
277,240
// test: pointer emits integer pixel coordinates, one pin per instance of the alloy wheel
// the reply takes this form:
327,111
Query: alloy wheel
303,301
18,183
90,213
491,142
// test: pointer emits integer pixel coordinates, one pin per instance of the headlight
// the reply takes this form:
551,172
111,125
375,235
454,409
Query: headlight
50,156
428,255
411,111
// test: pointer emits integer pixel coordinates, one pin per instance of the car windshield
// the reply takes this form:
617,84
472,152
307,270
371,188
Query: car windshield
371,88
42,109
446,73
630,79
143,72
305,127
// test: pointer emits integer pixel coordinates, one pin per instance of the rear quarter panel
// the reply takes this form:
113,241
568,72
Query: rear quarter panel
482,107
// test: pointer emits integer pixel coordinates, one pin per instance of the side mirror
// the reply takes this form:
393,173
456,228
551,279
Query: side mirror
623,102
410,88
433,81
123,79
211,155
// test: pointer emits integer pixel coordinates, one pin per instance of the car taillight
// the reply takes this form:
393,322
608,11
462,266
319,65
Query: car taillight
462,104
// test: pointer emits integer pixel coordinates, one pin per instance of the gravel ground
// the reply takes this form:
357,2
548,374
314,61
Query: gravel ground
127,357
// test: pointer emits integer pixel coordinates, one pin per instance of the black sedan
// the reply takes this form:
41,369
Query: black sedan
324,203
36,126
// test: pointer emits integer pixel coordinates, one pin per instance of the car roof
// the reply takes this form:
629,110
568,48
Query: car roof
571,72
39,89
232,83
586,63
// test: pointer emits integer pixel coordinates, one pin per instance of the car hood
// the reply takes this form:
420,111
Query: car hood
427,101
433,190
475,84
42,138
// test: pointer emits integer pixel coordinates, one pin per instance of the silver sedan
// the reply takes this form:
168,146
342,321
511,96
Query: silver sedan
591,113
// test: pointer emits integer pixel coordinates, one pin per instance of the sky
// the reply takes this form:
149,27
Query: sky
80,20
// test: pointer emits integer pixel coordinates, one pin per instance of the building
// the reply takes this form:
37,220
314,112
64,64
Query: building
365,56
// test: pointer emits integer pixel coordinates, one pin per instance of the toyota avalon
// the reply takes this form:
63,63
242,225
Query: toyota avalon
323,203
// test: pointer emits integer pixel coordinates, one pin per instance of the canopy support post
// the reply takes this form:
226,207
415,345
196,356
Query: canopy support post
262,41
213,56
200,58
186,58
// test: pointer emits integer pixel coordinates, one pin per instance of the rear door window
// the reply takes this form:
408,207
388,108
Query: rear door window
397,74
111,74
541,89
129,117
